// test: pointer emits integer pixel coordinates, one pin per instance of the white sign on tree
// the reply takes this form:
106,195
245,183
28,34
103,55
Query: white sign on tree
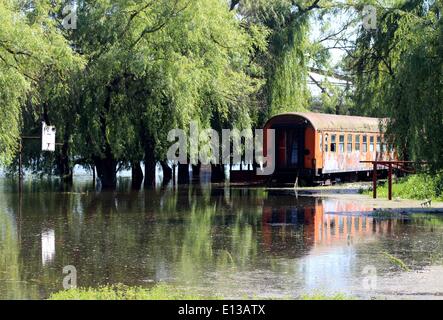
48,137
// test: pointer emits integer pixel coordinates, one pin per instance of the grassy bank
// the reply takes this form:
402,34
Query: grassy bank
418,187
159,292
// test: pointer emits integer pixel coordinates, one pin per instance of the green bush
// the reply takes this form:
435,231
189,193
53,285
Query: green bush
418,186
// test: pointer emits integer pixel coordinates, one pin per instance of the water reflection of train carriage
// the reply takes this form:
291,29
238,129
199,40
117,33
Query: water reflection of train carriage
324,222
315,146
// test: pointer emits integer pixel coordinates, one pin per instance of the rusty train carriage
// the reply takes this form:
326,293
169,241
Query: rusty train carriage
313,145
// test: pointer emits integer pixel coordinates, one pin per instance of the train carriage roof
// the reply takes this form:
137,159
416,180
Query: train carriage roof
322,121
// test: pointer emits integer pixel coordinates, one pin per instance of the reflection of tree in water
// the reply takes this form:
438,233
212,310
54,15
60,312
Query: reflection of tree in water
219,235
185,236
12,284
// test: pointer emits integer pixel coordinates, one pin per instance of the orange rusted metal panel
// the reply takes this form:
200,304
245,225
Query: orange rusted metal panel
319,146
310,146
322,121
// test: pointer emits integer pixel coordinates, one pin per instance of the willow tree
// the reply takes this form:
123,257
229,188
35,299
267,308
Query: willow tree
398,71
290,52
153,66
32,50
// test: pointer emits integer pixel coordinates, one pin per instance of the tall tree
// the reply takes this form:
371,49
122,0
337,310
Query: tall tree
33,50
398,74
153,66
290,52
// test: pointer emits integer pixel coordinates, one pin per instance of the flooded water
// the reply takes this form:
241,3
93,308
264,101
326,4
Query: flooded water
229,242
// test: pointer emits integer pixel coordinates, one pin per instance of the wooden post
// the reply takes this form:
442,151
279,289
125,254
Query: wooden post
93,176
20,167
374,181
390,182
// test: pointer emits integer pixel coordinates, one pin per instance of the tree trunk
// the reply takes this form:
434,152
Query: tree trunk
107,172
137,175
217,173
196,172
167,172
150,170
183,174
63,166
107,165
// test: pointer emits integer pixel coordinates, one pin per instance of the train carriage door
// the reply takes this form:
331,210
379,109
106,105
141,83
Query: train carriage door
281,142
290,152
295,147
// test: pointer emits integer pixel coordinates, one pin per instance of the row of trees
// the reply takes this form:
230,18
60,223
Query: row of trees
398,73
134,69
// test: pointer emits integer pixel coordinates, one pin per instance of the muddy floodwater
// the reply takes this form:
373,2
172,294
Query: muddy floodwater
214,241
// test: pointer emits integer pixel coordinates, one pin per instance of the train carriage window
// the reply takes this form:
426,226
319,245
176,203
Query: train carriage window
341,144
378,144
333,143
365,143
357,142
371,144
326,142
349,145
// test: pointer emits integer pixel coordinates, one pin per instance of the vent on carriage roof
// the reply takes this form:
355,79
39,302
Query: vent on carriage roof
323,121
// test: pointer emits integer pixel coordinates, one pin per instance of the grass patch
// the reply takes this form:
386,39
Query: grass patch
122,292
322,296
418,187
159,292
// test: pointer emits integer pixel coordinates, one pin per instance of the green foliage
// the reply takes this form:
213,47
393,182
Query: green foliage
289,53
398,74
32,51
157,67
288,83
419,186
133,70
323,296
139,69
121,292
158,292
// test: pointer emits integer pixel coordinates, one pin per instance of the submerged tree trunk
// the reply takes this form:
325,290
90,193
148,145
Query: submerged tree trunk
183,174
63,166
167,172
137,175
196,172
150,164
106,164
217,173
107,172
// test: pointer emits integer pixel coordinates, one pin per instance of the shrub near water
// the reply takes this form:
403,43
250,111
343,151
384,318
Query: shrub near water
419,186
